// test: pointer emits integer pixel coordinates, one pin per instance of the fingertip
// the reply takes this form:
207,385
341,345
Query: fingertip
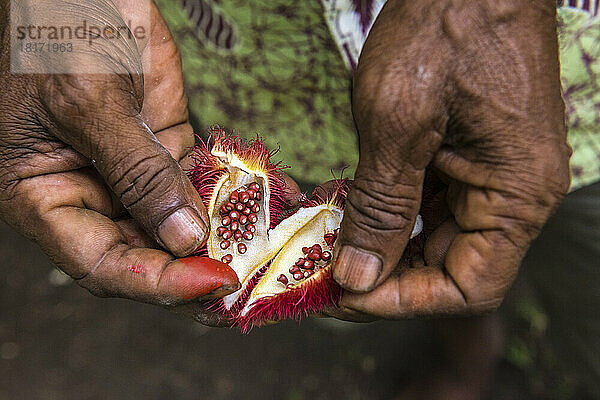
200,277
350,302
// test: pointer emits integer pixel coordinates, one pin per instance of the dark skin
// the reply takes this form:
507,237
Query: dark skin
470,88
89,162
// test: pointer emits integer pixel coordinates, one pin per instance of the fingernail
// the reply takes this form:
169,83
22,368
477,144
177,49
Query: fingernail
182,232
356,270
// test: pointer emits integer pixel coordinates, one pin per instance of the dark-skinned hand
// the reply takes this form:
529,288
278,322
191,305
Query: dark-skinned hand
89,161
471,90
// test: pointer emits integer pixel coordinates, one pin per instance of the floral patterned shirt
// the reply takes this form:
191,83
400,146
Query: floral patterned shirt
579,37
282,69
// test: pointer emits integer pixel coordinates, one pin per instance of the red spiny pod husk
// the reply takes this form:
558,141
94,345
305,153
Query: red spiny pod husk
229,170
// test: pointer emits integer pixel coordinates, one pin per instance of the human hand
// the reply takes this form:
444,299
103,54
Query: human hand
472,90
78,150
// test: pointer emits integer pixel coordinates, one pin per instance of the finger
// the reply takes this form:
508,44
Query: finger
379,216
426,291
291,192
400,116
382,206
178,140
479,268
91,248
145,178
165,103
439,242
134,235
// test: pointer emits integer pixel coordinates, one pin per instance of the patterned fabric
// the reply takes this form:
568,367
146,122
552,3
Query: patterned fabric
350,22
579,36
281,77
273,67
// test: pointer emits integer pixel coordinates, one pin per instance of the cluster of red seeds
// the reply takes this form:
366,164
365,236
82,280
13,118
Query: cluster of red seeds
314,259
238,217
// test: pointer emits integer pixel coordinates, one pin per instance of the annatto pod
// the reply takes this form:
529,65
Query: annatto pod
280,253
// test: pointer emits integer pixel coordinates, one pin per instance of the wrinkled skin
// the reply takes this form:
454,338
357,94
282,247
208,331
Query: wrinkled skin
97,221
471,90
468,88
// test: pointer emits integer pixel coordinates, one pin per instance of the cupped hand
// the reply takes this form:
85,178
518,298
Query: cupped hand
89,159
472,90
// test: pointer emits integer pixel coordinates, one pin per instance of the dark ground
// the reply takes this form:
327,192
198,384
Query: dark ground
59,342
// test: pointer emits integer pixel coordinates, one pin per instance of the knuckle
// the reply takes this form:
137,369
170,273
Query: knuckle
374,207
138,180
91,282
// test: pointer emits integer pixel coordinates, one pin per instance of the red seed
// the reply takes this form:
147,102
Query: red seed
229,206
225,244
221,230
226,220
235,226
308,273
252,218
300,262
298,275
294,269
251,203
254,186
326,256
251,194
255,208
227,234
258,196
227,258
305,250
223,210
251,228
244,197
242,248
315,256
283,279
247,211
248,235
309,264
238,235
243,219
317,247
329,239
234,197
240,206
234,214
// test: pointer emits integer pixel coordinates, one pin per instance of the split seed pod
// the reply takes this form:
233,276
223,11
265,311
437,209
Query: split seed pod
280,254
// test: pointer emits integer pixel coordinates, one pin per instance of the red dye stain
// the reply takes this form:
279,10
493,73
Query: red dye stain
136,269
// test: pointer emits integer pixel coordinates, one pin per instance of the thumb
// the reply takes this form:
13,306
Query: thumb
381,215
138,169
397,142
